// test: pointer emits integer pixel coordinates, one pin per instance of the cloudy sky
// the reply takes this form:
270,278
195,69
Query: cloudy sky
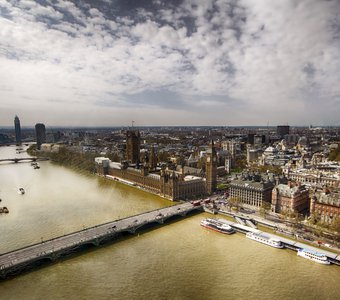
162,62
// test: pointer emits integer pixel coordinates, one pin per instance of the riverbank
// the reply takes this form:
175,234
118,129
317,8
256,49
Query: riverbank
283,230
83,162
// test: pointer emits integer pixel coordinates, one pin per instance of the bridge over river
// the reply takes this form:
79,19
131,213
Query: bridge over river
23,159
14,262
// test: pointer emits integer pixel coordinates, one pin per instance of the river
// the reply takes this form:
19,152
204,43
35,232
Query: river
181,260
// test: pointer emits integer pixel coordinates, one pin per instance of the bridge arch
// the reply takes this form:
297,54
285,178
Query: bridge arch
148,225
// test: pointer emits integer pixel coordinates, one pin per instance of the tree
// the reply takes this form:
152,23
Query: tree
234,202
113,156
163,156
313,219
265,208
336,225
335,154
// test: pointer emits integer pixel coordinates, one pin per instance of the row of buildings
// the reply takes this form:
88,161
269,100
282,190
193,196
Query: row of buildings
169,180
299,190
288,197
178,163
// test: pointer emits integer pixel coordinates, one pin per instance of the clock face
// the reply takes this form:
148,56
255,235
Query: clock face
208,159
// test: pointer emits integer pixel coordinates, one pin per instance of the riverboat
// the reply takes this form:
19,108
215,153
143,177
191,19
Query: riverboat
4,210
21,191
314,256
217,226
264,239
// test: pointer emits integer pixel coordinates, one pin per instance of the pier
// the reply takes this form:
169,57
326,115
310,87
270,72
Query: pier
14,262
289,244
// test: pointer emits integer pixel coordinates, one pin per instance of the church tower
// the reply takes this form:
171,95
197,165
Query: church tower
211,169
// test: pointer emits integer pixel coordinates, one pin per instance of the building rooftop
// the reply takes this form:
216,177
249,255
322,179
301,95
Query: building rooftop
328,198
287,191
260,186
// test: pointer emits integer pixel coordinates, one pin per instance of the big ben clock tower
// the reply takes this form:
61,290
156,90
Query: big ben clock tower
211,169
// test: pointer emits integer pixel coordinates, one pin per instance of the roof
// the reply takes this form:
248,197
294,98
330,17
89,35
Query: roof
331,199
251,185
285,190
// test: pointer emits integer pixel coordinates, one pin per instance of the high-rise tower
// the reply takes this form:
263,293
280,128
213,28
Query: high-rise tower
132,146
282,130
211,169
17,130
40,133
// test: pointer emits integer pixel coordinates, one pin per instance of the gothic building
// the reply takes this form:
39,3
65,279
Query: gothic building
211,169
132,146
165,181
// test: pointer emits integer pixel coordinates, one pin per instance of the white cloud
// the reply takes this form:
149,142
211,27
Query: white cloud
245,60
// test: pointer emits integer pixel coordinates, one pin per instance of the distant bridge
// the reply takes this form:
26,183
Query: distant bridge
14,262
25,159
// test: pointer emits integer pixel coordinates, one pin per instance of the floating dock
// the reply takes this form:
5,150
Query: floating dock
290,244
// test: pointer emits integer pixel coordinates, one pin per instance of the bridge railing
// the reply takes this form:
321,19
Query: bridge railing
87,229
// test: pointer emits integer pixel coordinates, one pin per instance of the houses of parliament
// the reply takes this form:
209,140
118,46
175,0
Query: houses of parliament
168,181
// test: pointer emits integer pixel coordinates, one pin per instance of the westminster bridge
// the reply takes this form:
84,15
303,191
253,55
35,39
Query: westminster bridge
23,159
17,261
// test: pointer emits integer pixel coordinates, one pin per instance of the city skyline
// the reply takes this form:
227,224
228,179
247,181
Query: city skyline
219,63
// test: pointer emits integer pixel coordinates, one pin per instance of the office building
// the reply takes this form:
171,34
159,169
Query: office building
290,197
40,133
326,206
282,130
17,130
250,192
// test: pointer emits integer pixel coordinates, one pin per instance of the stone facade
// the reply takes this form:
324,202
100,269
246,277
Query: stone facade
166,182
169,184
314,178
132,146
290,198
326,206
251,193
211,169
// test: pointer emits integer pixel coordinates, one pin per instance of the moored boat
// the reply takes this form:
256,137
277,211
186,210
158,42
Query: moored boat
265,239
217,226
314,256
4,210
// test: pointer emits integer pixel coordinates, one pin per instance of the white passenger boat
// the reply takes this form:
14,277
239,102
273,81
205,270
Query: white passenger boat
264,239
218,226
314,256
21,191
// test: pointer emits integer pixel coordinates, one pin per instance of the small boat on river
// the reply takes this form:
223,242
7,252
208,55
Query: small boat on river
4,210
